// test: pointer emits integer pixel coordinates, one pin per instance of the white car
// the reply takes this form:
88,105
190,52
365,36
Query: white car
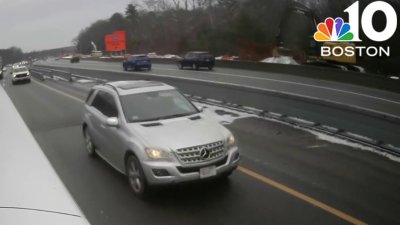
20,74
154,135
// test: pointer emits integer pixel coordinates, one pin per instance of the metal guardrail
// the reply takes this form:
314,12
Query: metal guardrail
44,73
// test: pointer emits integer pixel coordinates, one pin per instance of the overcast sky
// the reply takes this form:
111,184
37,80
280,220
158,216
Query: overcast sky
46,24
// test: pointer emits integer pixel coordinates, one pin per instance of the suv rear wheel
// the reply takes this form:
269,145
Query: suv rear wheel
136,177
180,65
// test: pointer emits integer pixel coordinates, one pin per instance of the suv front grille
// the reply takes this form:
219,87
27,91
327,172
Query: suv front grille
21,75
192,155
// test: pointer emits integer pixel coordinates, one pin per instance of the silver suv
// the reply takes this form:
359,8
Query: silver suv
19,74
153,134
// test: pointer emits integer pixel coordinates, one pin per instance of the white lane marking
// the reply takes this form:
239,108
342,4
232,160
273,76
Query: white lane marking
59,92
297,83
316,146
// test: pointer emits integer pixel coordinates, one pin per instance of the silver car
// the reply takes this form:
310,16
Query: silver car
153,134
19,74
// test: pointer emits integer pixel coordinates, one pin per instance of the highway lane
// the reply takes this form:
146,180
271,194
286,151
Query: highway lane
372,127
368,98
361,184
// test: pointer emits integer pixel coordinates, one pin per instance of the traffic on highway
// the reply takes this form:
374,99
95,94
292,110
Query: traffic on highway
201,112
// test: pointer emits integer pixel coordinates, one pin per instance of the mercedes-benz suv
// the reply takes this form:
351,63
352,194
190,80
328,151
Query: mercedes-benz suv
154,135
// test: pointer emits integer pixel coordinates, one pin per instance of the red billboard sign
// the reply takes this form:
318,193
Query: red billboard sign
116,41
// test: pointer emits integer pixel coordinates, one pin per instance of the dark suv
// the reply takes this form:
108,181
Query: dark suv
75,59
197,60
137,62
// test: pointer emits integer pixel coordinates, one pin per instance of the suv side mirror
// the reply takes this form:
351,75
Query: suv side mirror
112,122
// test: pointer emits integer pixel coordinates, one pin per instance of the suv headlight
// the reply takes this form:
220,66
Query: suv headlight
231,141
158,154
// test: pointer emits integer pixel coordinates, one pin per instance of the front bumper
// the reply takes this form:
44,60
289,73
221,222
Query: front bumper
177,173
25,78
138,65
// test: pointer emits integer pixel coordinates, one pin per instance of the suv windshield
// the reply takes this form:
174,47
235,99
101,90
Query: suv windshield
155,106
131,58
21,69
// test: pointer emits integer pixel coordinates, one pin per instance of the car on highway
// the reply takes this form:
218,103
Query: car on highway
197,60
137,62
20,74
75,59
154,135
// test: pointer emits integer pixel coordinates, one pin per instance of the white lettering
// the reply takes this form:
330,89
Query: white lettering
382,50
325,51
349,51
337,49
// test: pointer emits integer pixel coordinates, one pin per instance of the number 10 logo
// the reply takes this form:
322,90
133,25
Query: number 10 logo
337,30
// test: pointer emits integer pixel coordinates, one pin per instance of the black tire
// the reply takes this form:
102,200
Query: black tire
125,68
149,68
210,67
13,82
180,66
89,146
136,178
196,67
29,80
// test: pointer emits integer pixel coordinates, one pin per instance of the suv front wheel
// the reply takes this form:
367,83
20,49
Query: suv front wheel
136,176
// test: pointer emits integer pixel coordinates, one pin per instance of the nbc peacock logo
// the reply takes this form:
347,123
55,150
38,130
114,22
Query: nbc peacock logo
333,30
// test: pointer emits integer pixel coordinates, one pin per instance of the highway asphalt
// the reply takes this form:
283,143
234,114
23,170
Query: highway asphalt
287,176
350,120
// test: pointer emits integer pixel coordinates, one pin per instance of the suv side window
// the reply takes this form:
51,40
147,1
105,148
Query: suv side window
188,55
105,103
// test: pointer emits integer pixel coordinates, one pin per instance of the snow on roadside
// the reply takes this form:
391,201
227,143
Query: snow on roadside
336,140
280,60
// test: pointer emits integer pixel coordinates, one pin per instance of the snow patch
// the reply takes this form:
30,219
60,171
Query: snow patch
228,117
335,140
280,60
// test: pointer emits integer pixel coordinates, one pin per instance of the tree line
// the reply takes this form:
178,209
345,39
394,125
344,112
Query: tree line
11,55
176,26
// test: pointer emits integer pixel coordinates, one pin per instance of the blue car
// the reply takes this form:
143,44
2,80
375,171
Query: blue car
137,62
